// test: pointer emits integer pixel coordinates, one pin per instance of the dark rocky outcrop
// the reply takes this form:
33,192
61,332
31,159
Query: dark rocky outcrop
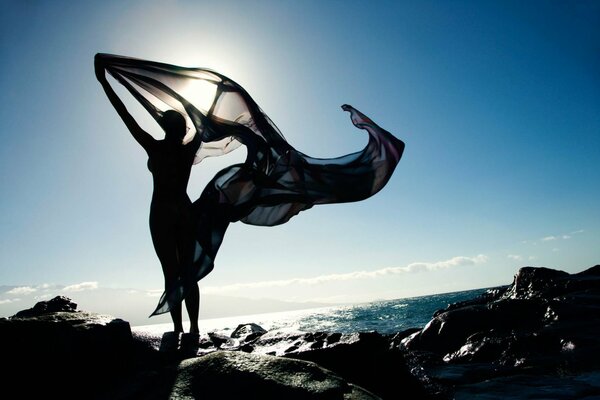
248,332
364,358
76,354
53,343
537,338
57,304
546,325
238,375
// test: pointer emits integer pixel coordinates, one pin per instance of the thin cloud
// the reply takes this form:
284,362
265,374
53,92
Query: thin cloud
79,287
565,236
8,301
45,286
22,290
356,275
515,257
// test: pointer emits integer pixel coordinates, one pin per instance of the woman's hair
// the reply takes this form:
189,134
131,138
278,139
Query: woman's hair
173,123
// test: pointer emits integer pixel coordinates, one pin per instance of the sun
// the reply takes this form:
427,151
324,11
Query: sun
200,93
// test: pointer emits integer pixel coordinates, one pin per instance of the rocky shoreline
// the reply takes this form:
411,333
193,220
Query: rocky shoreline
536,338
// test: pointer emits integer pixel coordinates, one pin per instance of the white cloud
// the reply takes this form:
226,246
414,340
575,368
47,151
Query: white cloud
515,257
8,301
563,237
45,286
22,290
410,268
79,287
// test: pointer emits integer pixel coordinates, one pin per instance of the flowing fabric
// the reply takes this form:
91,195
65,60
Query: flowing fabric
275,182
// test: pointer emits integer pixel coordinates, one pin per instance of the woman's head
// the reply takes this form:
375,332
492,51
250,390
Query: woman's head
173,123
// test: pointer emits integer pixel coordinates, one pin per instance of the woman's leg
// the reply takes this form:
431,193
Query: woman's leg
165,245
192,304
187,243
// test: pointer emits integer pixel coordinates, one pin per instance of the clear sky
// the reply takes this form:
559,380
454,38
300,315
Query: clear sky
498,103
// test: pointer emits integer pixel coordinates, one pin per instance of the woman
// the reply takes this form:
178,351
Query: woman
275,183
171,221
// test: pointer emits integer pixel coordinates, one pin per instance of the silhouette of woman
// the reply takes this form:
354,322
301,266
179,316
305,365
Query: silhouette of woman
275,182
171,220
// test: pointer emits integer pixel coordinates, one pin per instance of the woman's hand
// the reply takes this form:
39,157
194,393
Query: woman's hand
99,68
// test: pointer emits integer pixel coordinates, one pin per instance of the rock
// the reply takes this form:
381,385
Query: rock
230,375
538,337
222,341
449,330
546,324
57,304
399,336
532,282
365,359
248,332
276,342
78,349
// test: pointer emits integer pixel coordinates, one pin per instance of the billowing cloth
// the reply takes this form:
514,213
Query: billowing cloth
275,182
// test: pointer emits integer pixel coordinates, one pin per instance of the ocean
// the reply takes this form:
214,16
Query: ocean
388,316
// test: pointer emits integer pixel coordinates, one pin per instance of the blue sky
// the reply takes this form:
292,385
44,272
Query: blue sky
498,103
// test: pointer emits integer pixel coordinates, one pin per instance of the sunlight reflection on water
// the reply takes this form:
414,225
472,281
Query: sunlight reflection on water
386,317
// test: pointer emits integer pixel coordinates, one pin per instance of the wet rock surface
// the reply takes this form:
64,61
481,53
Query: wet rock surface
537,338
232,375
76,354
364,359
542,331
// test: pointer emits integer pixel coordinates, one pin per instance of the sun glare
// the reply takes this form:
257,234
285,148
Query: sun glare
200,93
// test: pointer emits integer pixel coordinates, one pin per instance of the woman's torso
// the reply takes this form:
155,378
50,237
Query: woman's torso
170,166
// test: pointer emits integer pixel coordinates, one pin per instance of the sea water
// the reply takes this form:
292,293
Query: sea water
388,316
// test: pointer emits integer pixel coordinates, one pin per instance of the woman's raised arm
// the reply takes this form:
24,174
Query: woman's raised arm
140,135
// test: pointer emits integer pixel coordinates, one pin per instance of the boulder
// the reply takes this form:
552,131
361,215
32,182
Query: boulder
248,332
57,304
231,375
364,358
545,324
78,349
532,282
541,301
223,342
